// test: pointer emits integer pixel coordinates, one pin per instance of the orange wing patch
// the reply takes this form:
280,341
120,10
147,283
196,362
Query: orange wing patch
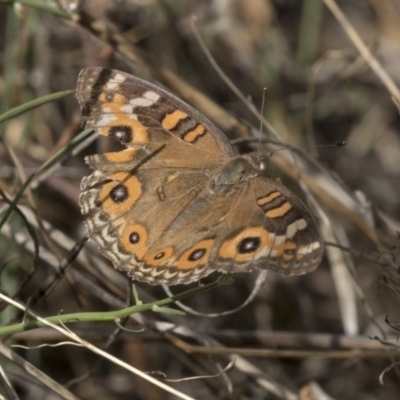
267,199
172,120
120,156
119,195
114,114
140,132
279,211
134,239
159,257
255,242
246,244
193,135
196,255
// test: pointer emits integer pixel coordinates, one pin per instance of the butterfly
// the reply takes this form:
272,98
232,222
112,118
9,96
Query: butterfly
178,203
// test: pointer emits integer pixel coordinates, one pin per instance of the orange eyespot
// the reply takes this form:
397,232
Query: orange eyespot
196,256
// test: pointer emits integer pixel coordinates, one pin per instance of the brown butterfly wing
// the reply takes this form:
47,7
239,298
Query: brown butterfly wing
153,209
133,195
274,231
139,114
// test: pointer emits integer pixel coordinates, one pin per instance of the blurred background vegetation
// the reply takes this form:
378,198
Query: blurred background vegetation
320,92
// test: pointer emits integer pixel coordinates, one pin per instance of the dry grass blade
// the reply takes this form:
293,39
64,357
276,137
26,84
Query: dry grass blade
35,372
6,386
363,49
96,350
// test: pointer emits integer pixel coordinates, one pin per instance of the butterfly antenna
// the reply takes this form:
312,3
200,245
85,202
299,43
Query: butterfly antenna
317,146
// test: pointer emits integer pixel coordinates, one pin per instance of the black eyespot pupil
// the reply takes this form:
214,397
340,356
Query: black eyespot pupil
134,237
119,193
289,252
159,255
249,245
122,133
197,254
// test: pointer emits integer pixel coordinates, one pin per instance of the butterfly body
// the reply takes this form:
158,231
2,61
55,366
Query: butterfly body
178,203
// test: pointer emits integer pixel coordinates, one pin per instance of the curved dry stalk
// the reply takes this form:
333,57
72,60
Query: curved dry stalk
96,350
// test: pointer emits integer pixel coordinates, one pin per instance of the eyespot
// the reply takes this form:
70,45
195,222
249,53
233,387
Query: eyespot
249,245
197,254
119,193
159,255
122,133
134,237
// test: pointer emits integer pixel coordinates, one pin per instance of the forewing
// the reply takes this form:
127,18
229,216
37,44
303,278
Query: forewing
138,113
134,196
